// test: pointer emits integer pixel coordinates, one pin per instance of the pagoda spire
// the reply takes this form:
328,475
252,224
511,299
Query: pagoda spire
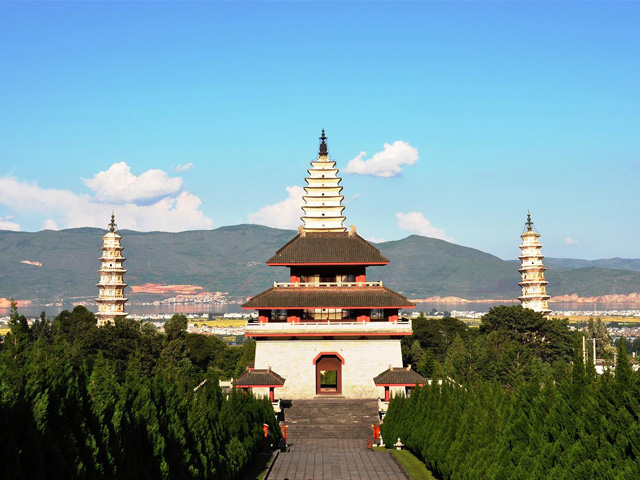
323,152
528,224
323,200
533,284
111,287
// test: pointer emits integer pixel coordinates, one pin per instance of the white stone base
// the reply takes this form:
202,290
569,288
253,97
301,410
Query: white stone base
363,360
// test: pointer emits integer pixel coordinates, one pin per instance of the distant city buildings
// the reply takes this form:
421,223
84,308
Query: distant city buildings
202,297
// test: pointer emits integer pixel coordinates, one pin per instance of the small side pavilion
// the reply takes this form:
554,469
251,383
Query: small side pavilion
260,381
401,380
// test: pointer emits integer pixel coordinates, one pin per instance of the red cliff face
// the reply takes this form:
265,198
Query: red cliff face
457,300
158,288
575,298
6,303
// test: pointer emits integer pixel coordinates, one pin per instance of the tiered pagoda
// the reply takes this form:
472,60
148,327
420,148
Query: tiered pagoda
111,298
329,330
534,286
323,200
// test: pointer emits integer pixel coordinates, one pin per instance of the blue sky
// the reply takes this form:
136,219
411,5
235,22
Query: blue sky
201,115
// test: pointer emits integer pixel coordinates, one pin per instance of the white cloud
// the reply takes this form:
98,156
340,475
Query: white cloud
351,199
119,185
156,205
284,214
375,239
183,167
387,163
50,224
570,241
415,222
5,224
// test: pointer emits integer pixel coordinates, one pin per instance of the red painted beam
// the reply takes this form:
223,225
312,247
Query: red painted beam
398,384
329,334
316,307
257,386
324,263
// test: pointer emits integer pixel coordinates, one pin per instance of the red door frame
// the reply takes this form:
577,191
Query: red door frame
329,362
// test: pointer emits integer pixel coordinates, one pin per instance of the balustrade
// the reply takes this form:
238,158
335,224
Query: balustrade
327,284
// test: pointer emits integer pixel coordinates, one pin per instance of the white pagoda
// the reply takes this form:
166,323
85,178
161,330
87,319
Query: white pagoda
323,202
111,298
534,286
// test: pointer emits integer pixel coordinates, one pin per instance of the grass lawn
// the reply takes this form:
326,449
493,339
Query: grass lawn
258,468
223,322
578,319
414,467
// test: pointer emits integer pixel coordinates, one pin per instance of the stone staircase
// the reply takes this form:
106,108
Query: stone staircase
330,418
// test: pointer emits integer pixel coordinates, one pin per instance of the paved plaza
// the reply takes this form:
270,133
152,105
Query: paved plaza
334,459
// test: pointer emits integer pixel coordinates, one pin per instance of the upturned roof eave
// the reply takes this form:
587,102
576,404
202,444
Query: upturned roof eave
373,254
284,264
399,377
393,299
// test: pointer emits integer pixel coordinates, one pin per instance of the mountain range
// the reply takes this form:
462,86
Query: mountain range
50,265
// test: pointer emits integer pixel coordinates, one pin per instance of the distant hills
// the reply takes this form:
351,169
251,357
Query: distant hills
232,259
608,263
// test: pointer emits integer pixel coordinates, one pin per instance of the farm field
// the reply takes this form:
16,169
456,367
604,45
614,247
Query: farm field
606,319
635,321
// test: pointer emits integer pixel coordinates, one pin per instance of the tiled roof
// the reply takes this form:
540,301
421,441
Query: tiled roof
255,377
328,248
399,376
328,297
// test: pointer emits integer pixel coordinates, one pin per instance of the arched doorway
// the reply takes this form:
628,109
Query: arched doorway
328,374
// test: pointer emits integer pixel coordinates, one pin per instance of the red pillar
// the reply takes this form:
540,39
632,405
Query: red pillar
386,394
263,316
271,391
